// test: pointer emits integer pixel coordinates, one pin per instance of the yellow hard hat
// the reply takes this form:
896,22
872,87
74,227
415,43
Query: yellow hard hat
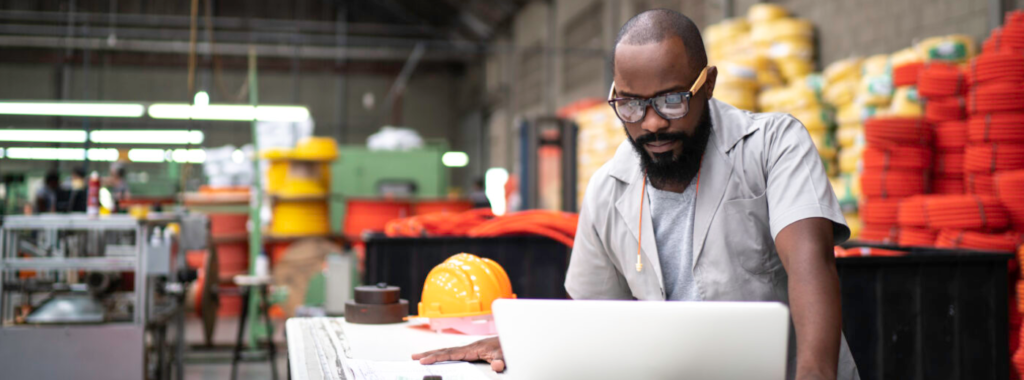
463,286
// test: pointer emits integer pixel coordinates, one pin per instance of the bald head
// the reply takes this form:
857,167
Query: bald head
656,25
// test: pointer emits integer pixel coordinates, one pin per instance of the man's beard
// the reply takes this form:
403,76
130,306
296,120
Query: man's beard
666,168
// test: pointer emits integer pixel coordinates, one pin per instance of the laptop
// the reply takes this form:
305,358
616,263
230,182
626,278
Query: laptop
567,339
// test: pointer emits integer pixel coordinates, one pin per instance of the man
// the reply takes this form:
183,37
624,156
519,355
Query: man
77,186
46,196
725,205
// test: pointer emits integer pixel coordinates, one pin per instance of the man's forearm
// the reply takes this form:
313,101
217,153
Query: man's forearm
814,301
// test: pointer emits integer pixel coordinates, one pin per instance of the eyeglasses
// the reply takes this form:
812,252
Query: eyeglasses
669,106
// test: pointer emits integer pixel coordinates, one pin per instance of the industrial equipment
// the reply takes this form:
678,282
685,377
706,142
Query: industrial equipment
90,297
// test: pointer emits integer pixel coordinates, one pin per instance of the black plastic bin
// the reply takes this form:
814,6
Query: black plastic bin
932,314
535,265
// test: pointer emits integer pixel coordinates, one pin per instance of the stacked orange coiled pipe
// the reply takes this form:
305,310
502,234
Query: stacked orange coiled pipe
1005,66
879,211
1010,190
948,185
937,110
917,237
999,242
896,132
980,184
949,165
881,234
559,226
996,97
892,183
969,212
438,224
1012,34
951,135
989,158
939,79
997,127
907,74
907,158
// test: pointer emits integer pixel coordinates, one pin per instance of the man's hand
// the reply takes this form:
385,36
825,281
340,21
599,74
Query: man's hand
488,350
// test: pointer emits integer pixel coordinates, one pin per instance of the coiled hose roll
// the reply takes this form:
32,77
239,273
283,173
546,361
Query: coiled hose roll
879,212
1005,66
948,184
892,183
917,237
951,135
989,158
1009,188
906,74
970,212
999,242
897,132
979,183
938,79
996,97
907,158
997,128
949,164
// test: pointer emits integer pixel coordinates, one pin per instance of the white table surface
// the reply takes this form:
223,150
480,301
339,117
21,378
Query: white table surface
392,342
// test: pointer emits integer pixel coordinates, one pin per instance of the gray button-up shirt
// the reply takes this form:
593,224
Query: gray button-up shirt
760,173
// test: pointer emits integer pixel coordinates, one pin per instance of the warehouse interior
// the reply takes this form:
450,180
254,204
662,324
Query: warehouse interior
202,187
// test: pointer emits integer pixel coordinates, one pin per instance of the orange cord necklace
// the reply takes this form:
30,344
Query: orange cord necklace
643,197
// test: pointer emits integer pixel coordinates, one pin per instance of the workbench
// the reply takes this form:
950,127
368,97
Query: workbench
391,342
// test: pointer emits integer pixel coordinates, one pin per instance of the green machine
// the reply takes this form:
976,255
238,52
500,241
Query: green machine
361,173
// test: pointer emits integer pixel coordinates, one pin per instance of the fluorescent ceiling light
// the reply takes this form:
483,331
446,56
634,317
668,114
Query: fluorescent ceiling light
201,99
72,109
195,156
167,137
455,159
62,154
147,155
43,135
228,112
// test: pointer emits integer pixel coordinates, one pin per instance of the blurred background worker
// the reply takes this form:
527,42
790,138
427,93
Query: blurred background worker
46,196
478,196
117,185
78,191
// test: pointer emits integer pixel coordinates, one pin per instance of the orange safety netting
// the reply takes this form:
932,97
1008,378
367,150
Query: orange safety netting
879,211
560,226
880,233
988,158
996,97
949,164
917,237
944,184
979,183
892,183
897,132
938,79
996,127
1005,66
1000,242
438,224
971,212
907,158
907,74
947,108
1009,188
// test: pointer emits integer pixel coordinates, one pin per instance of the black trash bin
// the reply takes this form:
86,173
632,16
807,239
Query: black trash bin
932,314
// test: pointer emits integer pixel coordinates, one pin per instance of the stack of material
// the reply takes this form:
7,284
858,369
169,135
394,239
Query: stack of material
906,67
303,179
943,86
766,50
896,165
957,221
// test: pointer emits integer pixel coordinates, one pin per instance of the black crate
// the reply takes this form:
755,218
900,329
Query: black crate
535,265
933,314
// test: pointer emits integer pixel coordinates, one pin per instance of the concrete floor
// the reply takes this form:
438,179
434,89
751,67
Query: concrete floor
203,364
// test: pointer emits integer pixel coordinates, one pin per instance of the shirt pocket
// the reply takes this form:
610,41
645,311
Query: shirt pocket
748,239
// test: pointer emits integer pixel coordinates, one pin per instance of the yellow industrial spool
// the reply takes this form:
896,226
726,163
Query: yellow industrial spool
875,90
739,97
955,48
762,12
737,75
906,103
277,169
848,114
316,149
464,285
841,93
843,70
849,136
788,47
850,159
815,119
905,56
876,65
794,68
300,218
786,99
725,31
774,30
